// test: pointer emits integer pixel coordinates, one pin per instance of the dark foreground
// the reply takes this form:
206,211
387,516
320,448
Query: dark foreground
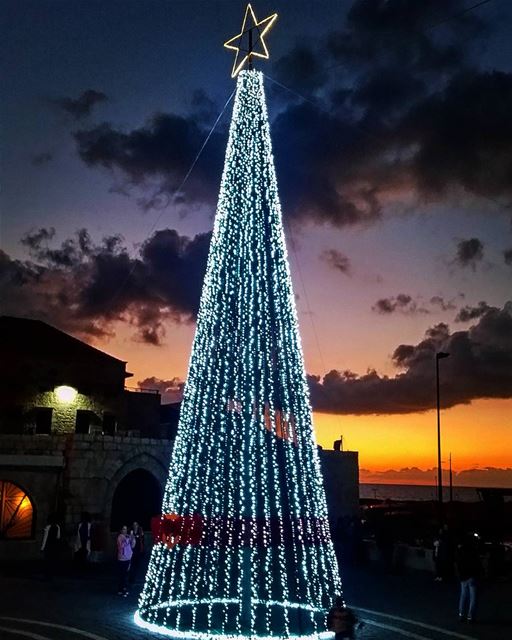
85,606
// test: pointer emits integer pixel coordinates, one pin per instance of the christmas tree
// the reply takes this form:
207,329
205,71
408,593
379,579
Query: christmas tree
243,546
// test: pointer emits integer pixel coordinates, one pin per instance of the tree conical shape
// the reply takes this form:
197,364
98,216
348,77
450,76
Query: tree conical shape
244,545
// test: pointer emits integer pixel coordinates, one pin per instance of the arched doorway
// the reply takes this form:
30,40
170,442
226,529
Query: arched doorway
137,497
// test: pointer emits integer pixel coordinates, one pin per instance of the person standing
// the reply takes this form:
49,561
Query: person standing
83,540
138,551
342,621
469,569
50,545
125,544
443,555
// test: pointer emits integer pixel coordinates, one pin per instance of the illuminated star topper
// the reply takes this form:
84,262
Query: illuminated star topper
247,33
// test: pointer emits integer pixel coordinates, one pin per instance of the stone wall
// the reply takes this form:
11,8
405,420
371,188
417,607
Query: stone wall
73,473
64,414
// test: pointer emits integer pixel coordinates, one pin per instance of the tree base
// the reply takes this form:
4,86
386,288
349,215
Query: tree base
224,619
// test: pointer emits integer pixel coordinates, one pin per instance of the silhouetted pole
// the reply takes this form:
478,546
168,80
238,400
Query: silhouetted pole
451,479
439,356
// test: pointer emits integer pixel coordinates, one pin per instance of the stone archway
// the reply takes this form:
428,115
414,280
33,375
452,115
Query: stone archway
137,497
145,461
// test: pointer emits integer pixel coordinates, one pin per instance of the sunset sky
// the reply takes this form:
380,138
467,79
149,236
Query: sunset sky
392,136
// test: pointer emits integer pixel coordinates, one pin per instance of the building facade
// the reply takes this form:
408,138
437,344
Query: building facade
75,439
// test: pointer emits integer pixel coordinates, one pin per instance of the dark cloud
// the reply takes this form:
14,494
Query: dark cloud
321,165
396,32
83,105
34,239
67,255
469,253
404,116
350,165
468,313
301,68
479,366
507,256
402,303
42,158
444,305
170,390
337,260
463,136
86,288
385,90
160,154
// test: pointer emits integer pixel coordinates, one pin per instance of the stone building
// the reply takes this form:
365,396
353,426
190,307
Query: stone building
74,438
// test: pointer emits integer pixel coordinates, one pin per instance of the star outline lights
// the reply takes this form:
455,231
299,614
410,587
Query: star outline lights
262,27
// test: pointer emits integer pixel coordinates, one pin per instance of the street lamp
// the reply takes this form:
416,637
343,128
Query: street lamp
439,356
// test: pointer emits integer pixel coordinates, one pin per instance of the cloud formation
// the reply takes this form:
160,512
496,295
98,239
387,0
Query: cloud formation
469,253
85,288
468,313
337,260
444,305
402,303
479,366
401,114
83,105
301,67
476,477
154,159
170,390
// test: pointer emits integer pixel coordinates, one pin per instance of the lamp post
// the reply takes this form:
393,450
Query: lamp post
439,356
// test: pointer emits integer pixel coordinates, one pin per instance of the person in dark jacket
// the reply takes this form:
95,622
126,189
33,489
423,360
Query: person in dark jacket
469,569
83,540
138,552
50,545
443,555
341,620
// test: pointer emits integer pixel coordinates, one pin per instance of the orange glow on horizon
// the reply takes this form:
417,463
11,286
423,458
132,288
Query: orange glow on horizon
477,435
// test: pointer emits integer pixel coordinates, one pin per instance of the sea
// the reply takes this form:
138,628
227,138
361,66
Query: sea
415,492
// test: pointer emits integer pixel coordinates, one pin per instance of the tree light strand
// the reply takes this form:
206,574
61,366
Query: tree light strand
245,548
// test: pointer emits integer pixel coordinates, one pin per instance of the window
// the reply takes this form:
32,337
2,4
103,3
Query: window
11,419
109,423
43,420
16,512
83,421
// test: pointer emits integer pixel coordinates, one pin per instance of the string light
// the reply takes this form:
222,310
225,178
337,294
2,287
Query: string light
244,549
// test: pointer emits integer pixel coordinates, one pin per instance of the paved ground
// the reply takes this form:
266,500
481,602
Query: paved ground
79,607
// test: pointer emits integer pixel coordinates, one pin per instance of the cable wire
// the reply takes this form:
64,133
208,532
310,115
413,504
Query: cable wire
174,193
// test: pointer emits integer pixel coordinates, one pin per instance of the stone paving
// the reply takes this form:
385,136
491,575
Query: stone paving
79,607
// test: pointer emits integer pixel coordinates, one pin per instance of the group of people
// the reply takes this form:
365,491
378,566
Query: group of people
464,558
129,549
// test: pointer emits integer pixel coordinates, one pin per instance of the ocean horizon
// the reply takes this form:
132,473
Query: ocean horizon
379,491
